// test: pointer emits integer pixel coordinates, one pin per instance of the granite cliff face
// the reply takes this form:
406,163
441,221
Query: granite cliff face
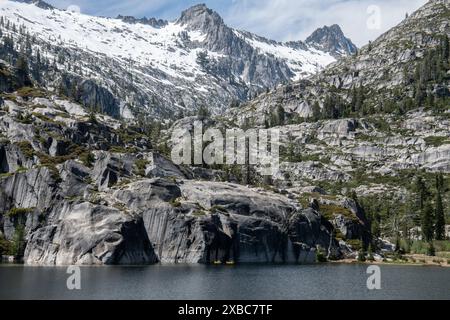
74,194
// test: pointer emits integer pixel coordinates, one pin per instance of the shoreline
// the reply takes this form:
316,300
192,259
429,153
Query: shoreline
427,262
334,262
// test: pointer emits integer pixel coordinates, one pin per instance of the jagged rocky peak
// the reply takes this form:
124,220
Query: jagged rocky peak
156,23
200,17
298,45
331,39
38,3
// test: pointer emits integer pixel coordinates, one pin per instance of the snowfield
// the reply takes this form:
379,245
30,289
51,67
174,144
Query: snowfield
157,69
160,48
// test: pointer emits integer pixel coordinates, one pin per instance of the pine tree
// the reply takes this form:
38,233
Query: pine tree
290,148
23,78
370,256
360,98
440,182
397,243
440,218
202,59
375,227
328,108
8,45
203,113
445,48
421,193
431,250
316,114
427,222
281,115
354,99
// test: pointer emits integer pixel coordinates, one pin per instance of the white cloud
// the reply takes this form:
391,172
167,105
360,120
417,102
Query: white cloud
296,19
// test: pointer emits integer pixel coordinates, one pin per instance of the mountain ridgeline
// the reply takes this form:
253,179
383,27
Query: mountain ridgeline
128,67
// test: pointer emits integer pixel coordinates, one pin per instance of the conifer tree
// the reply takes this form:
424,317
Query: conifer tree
439,208
421,193
316,114
22,75
427,222
440,218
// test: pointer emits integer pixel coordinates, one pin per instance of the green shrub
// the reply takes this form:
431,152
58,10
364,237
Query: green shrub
422,247
330,210
361,256
442,246
17,246
29,92
120,206
431,251
141,165
217,208
87,158
321,255
175,203
25,119
42,117
199,213
355,244
5,246
14,212
434,141
119,149
26,148
418,247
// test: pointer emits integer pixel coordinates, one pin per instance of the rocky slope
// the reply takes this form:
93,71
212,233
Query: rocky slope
81,190
363,116
382,68
127,67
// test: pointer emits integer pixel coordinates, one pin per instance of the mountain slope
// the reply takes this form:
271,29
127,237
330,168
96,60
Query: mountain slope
386,73
85,189
372,120
151,67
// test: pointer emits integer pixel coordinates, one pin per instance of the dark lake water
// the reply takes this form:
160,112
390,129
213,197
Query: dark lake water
243,282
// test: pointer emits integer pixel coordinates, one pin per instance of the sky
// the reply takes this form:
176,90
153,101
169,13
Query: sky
281,20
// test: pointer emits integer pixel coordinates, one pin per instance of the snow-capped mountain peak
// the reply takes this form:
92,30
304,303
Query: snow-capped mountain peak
200,17
154,66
